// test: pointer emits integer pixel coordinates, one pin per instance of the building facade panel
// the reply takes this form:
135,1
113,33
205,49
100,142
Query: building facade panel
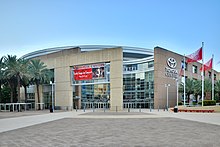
63,99
166,75
133,77
62,62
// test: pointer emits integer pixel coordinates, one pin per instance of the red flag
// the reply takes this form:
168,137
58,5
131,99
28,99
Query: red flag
208,65
196,56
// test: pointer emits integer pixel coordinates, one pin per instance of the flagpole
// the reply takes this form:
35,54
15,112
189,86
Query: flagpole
213,96
202,73
184,84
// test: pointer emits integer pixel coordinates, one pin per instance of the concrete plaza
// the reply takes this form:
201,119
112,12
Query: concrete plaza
111,129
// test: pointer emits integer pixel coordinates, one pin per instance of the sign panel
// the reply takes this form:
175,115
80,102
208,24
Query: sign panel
83,74
171,62
171,71
98,72
89,72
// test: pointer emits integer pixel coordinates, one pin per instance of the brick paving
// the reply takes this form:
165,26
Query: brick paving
114,132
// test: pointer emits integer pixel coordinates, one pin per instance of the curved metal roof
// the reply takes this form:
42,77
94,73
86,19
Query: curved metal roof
127,51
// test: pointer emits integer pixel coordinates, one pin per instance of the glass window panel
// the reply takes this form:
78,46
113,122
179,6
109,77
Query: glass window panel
194,69
150,64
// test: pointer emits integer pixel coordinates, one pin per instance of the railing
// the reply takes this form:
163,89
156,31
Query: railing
92,105
14,106
114,109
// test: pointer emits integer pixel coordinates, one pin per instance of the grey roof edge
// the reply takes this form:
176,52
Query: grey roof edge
87,48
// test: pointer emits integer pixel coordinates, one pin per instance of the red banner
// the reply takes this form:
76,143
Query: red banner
83,74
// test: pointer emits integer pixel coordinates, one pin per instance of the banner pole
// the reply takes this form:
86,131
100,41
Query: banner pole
202,73
184,84
213,94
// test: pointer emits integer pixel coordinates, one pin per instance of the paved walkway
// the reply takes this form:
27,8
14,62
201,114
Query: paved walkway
111,129
17,121
23,119
210,118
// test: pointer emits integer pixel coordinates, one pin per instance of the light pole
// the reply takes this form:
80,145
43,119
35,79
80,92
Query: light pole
52,84
167,86
177,91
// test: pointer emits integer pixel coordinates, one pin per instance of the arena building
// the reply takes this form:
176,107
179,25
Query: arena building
115,77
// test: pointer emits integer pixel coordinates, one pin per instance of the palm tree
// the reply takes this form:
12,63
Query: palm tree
25,82
39,74
189,88
10,72
16,69
24,75
217,88
2,78
197,88
207,86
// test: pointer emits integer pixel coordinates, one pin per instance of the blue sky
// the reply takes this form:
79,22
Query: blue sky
178,25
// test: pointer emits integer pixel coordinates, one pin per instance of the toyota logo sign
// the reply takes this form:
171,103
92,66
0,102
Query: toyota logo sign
171,62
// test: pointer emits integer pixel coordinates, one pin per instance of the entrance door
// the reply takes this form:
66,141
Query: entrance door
96,94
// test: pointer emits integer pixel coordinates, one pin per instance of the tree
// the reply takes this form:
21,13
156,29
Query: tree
39,74
189,88
207,86
217,88
197,88
24,75
2,77
16,69
10,72
6,91
25,82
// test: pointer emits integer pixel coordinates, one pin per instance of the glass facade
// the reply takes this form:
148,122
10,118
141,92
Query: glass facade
95,95
138,85
95,92
48,99
31,99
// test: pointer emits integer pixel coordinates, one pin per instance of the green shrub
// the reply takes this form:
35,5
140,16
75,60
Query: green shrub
194,103
209,102
180,103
